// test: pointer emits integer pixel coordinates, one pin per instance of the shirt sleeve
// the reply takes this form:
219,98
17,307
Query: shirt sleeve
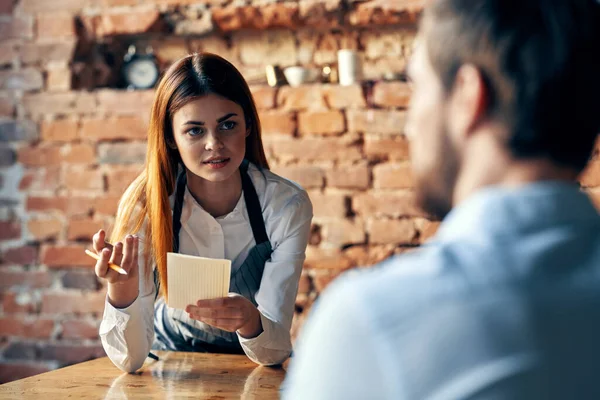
279,285
337,354
127,333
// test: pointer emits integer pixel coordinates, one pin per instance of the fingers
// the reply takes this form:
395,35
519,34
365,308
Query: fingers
128,253
117,254
98,241
101,267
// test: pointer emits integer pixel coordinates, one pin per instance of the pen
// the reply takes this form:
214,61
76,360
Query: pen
110,265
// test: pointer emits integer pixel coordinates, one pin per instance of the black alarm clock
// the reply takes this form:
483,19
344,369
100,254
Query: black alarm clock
140,71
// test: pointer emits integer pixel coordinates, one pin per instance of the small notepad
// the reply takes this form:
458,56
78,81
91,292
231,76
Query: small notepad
192,278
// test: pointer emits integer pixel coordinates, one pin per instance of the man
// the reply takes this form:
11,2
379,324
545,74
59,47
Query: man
504,302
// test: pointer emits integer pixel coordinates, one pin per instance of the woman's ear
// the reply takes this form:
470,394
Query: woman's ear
247,132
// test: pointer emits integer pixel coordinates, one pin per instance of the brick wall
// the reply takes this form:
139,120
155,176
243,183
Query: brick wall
69,145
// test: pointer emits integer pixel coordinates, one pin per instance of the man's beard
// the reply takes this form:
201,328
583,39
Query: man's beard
434,191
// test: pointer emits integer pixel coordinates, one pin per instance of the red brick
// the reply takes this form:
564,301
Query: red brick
24,279
323,278
317,149
59,103
341,232
70,206
106,205
280,123
67,354
118,178
18,131
37,6
44,229
130,22
7,103
59,79
386,148
18,370
264,97
233,18
24,255
170,50
384,43
16,27
384,12
376,121
18,302
60,130
131,128
43,53
55,25
66,256
337,96
27,79
391,94
301,98
69,302
307,176
137,103
384,231
83,229
320,14
6,7
355,176
10,230
117,3
427,229
321,123
392,176
326,258
27,328
591,175
77,178
80,279
329,205
367,255
78,153
260,48
77,329
392,204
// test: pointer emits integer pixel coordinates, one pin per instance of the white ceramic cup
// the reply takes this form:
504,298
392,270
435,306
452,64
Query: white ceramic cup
349,69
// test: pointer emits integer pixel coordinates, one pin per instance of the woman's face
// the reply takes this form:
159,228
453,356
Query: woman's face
210,134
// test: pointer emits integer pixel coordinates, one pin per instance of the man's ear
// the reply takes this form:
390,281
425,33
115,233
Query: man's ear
469,100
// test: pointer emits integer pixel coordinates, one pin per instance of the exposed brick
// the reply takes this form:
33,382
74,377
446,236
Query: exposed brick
16,27
355,176
321,14
19,370
67,103
24,255
391,94
60,130
329,205
41,179
137,103
170,50
24,279
26,79
73,302
6,7
22,130
326,258
66,256
83,229
342,231
83,280
323,278
321,122
77,178
392,176
337,96
72,205
38,6
277,47
55,25
383,231
367,255
106,205
374,70
264,97
10,230
387,148
46,228
78,153
427,229
281,123
130,22
27,328
306,176
77,329
383,43
591,175
384,12
59,79
309,149
68,354
215,44
233,18
199,26
7,103
131,128
118,178
34,53
8,157
40,156
393,204
376,121
301,98
20,351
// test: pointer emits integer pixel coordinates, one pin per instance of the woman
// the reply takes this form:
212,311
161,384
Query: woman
205,190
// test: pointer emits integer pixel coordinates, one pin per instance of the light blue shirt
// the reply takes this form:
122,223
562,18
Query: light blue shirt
504,303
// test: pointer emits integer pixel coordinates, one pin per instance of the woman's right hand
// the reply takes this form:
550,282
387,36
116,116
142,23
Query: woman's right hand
122,289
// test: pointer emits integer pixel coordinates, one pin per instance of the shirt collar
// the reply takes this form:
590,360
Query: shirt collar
190,205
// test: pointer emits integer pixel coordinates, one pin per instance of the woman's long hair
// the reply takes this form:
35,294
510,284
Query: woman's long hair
145,204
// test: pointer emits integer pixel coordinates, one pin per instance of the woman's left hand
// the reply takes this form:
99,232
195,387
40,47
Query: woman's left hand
233,313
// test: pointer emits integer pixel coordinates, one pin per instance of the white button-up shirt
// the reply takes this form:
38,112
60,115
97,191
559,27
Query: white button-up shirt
127,334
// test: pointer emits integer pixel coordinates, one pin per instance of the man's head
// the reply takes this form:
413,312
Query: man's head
529,68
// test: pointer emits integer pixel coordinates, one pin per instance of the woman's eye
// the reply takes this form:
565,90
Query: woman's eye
195,131
228,125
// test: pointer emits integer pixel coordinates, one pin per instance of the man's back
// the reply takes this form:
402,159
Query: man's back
504,303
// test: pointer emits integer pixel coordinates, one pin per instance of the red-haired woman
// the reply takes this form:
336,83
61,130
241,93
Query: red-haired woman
206,190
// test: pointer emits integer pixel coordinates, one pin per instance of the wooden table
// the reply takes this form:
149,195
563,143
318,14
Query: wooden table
174,376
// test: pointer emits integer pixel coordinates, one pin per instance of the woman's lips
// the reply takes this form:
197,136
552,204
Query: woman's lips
217,163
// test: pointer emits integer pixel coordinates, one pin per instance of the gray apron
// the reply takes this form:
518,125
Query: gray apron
174,330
